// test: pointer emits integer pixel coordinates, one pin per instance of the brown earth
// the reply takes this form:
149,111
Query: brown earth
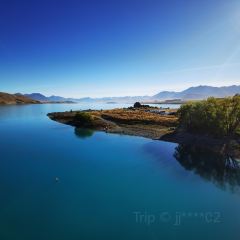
137,122
6,98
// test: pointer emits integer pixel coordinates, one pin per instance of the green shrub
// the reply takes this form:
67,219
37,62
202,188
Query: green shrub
84,118
219,117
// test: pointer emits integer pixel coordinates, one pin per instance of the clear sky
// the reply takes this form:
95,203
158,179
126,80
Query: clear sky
119,47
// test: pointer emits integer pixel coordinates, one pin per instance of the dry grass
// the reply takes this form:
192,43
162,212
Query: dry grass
136,116
137,122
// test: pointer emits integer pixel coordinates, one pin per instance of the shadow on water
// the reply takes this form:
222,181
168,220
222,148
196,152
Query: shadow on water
219,168
83,132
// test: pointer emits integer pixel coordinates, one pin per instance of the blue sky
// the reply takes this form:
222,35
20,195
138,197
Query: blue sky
119,47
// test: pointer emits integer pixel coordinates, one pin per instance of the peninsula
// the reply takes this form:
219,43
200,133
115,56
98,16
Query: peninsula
145,121
212,123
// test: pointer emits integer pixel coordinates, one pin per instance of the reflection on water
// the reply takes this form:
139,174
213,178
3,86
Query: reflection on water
104,180
221,169
83,132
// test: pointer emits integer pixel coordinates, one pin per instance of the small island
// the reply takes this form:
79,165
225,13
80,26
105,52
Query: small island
212,123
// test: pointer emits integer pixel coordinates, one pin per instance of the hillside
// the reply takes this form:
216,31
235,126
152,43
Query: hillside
6,98
40,97
36,96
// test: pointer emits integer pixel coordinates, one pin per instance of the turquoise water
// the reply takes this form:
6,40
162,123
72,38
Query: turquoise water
110,186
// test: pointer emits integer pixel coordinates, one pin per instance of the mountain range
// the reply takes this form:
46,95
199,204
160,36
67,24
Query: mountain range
199,92
40,97
192,93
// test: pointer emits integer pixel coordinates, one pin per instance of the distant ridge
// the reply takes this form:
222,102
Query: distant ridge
37,96
40,97
199,92
192,93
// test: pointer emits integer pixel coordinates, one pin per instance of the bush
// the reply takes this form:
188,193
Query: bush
219,117
137,105
84,118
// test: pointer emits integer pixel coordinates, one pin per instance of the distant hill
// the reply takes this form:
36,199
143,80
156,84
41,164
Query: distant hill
199,92
37,96
192,93
40,97
6,98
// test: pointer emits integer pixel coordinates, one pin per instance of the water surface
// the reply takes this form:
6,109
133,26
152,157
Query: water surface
110,186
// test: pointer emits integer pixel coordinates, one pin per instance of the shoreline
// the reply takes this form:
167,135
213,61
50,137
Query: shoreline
134,122
107,121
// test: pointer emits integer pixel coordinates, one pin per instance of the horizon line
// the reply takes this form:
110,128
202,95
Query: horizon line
53,95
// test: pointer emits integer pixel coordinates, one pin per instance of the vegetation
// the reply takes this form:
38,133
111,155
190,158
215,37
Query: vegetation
139,105
218,117
138,116
84,118
145,122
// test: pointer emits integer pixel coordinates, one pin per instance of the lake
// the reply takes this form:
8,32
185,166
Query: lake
58,182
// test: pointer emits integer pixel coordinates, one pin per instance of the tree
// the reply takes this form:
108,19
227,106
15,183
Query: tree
219,117
137,105
83,118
